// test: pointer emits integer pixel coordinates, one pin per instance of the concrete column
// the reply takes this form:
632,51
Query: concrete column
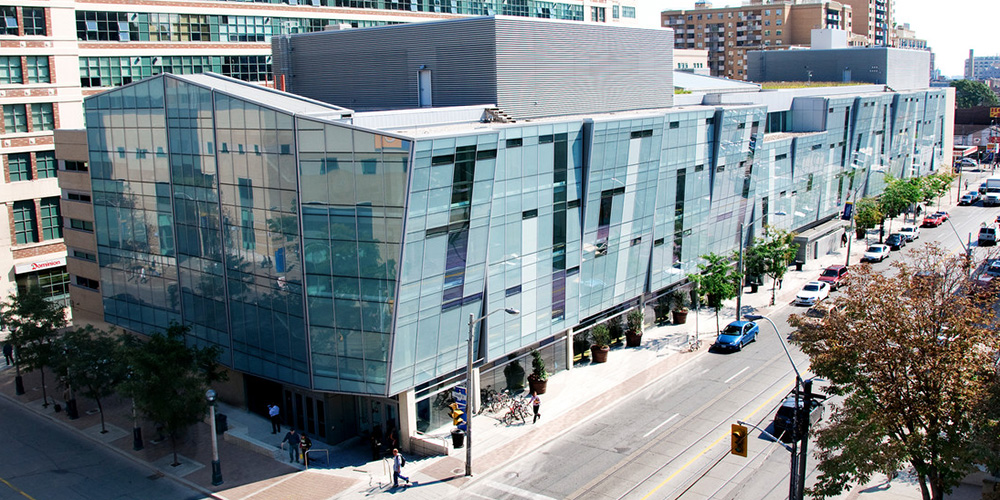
474,397
569,349
407,419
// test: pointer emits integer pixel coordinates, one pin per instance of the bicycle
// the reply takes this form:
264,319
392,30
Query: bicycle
694,345
518,411
487,397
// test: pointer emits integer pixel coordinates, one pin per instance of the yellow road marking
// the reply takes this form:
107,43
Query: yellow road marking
781,391
11,486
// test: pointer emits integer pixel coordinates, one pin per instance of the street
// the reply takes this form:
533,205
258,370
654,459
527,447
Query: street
42,460
671,439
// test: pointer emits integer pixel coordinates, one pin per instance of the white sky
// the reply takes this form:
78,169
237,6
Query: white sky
951,28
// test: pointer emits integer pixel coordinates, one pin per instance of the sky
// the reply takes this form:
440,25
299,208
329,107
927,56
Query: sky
950,31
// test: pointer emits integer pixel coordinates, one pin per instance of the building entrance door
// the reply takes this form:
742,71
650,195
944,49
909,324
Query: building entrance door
424,88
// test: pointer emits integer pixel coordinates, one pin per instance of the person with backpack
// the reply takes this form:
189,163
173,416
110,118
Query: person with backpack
398,462
304,444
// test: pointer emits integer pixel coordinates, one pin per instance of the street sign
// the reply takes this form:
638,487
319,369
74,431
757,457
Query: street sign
994,112
459,394
848,211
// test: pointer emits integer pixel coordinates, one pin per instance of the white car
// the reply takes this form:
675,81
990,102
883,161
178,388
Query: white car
813,292
910,232
876,253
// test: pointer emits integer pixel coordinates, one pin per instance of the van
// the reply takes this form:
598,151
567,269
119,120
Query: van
987,236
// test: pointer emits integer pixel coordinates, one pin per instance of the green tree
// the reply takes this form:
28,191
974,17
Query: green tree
168,379
771,255
34,324
867,215
717,282
897,196
970,93
934,186
92,364
913,358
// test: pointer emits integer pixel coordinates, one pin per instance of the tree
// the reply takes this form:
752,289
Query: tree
34,324
867,215
898,195
168,379
970,94
772,255
717,282
935,186
912,355
92,363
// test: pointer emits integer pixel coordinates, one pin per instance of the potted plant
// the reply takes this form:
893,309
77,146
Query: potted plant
633,333
601,336
539,378
661,310
616,328
514,373
680,309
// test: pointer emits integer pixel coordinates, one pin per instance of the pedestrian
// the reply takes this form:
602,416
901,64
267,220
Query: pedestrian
293,439
778,283
376,442
304,445
966,184
536,404
843,239
397,468
8,353
274,413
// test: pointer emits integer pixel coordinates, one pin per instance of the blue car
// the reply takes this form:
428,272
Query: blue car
736,335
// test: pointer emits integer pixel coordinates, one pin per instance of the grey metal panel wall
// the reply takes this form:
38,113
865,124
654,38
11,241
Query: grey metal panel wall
376,68
554,68
898,68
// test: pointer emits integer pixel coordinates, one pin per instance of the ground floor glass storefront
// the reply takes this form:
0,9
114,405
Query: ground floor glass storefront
54,283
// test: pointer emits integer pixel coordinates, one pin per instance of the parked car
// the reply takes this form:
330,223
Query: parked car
813,292
876,253
736,335
833,275
944,215
966,199
987,236
822,309
982,188
784,418
965,162
994,268
896,241
932,220
911,232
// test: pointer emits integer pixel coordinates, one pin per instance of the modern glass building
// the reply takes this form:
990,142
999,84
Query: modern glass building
336,256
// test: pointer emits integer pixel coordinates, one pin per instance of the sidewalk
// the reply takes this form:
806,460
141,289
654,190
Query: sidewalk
253,466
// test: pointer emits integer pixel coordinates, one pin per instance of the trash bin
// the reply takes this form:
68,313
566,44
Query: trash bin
457,438
221,423
798,265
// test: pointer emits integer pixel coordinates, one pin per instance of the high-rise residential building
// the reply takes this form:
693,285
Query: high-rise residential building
873,19
53,52
982,67
729,32
336,255
39,92
905,38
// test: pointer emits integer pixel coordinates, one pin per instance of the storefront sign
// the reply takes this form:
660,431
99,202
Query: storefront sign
39,266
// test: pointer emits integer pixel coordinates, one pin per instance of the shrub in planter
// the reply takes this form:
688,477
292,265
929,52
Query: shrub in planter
616,328
661,310
539,378
514,374
680,302
633,332
601,335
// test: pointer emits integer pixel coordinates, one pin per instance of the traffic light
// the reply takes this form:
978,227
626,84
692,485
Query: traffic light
456,414
739,440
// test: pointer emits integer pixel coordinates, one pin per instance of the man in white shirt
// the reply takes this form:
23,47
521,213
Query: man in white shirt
275,413
397,466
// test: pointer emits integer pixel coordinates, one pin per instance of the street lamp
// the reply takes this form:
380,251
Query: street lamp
216,466
796,482
739,294
854,203
468,386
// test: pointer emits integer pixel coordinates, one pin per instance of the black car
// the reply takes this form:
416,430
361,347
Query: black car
783,419
896,241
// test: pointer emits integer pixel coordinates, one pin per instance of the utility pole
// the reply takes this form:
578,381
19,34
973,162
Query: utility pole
739,293
804,419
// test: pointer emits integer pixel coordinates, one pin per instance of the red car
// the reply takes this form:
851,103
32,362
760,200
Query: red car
933,220
944,215
834,275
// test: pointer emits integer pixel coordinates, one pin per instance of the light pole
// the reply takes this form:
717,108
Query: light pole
216,466
854,207
468,386
739,268
799,439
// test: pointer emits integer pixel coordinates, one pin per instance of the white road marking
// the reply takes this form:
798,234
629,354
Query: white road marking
737,375
665,422
517,491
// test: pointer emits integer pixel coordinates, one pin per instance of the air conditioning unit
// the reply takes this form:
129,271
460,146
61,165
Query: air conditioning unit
52,91
48,44
6,143
23,44
3,93
31,140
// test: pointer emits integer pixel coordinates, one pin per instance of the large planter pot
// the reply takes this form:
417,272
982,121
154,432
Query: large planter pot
537,386
680,317
633,340
514,378
599,354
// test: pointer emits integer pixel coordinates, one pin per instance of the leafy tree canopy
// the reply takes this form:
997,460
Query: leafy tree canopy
970,93
34,324
867,214
92,363
772,255
717,282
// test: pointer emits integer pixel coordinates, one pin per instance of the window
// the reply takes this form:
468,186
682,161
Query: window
75,166
51,220
54,284
628,12
19,166
45,164
38,69
79,254
24,222
82,225
82,198
15,118
10,70
42,117
34,21
88,283
8,21
597,14
615,11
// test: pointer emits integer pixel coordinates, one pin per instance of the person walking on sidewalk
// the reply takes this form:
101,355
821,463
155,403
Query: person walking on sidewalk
293,440
274,413
304,445
8,353
397,468
843,239
536,404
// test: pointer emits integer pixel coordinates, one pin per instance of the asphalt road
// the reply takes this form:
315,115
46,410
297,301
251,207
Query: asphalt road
41,460
671,439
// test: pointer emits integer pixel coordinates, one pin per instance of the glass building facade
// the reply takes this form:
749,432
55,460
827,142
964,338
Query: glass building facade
338,259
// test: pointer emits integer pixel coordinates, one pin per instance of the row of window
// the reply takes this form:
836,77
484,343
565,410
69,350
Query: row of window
740,15
32,21
19,165
115,71
15,117
26,220
13,68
